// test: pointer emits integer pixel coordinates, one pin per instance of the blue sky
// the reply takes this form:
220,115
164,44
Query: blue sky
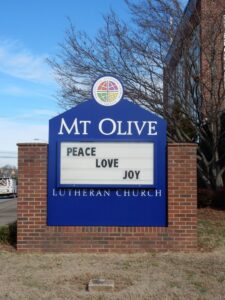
30,33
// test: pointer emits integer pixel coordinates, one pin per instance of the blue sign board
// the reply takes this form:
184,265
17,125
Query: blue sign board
107,166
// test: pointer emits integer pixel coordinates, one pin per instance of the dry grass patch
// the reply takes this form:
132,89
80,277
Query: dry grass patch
199,275
211,229
140,276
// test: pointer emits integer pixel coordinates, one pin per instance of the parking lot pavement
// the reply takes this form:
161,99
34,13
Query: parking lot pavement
8,210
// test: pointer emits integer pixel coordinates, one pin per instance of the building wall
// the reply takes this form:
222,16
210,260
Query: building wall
212,54
35,236
207,23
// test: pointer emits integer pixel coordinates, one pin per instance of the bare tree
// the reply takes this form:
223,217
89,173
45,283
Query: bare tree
137,53
8,171
133,52
195,90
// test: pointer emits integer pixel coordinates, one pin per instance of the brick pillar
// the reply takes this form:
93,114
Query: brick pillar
35,235
182,195
32,195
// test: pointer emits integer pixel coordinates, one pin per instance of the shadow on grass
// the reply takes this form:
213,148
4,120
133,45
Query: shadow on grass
211,199
8,234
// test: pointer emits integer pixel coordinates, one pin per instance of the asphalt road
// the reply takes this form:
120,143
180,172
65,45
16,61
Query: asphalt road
8,210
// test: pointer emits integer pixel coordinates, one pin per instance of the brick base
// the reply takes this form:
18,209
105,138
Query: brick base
34,235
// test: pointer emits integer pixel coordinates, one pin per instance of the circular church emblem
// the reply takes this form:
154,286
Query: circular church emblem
107,91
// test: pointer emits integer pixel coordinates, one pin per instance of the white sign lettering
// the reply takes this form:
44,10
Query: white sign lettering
77,128
108,127
107,163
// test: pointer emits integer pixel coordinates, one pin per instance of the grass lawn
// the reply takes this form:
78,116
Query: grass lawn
199,275
211,230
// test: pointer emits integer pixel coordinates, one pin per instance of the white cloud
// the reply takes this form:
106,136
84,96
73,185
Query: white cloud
13,132
19,62
23,128
44,112
35,115
17,91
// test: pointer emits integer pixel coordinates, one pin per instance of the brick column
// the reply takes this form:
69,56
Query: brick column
182,196
32,195
35,235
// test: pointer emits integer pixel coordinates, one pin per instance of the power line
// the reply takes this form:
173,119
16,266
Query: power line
8,152
8,156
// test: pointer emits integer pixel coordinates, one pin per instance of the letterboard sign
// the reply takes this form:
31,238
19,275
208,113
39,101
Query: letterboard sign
107,163
100,163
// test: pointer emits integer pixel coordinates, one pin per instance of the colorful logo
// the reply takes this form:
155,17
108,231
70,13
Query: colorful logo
107,91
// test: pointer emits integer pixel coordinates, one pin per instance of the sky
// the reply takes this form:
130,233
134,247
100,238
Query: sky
31,31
